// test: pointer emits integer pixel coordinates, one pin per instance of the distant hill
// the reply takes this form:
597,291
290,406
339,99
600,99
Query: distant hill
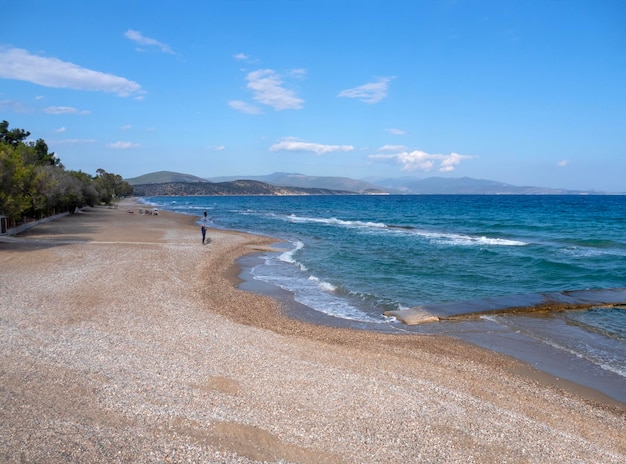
163,177
460,186
300,180
238,187
299,184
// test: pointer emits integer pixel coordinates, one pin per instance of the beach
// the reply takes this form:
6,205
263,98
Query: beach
124,339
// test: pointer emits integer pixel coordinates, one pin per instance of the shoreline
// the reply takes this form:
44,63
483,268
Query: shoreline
534,356
292,317
169,359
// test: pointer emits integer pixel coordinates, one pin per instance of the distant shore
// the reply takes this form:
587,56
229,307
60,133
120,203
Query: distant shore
124,339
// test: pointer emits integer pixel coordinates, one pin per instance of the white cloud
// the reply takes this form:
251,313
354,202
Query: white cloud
396,131
137,37
216,147
372,92
294,144
396,148
60,130
244,107
19,64
64,110
298,73
122,145
245,58
562,163
418,160
451,161
126,127
268,89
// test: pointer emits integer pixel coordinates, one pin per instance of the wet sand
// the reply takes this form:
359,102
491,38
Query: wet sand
123,339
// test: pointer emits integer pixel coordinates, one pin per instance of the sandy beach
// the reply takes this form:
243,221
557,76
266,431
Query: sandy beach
124,339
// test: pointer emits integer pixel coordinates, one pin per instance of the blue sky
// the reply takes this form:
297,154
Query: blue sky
529,92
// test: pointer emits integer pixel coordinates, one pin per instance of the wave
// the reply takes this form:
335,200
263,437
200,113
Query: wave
325,286
587,252
468,240
594,243
308,289
436,237
318,295
287,256
335,221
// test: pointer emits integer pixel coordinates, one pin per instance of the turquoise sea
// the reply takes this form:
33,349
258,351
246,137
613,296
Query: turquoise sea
351,258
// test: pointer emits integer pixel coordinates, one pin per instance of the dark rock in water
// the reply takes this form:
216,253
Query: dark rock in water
512,304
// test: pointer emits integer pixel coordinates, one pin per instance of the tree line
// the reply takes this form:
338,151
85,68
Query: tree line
34,184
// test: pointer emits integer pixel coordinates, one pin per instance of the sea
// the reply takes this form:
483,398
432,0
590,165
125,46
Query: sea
348,259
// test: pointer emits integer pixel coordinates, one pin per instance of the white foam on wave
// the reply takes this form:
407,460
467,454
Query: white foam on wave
325,286
335,222
286,272
468,240
287,256
440,237
320,296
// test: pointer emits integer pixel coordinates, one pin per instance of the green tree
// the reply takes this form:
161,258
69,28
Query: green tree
111,186
13,136
88,187
42,156
14,175
34,183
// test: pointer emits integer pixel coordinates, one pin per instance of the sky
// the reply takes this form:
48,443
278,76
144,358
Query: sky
527,92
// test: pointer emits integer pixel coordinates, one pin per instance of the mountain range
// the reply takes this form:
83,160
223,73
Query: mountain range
236,187
280,183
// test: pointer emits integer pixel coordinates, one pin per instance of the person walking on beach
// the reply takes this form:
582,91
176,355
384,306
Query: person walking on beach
203,228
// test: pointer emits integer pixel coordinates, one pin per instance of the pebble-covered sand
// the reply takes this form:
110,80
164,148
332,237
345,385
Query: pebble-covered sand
123,339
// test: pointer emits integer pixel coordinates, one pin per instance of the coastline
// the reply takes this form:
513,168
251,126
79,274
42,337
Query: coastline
550,368
169,359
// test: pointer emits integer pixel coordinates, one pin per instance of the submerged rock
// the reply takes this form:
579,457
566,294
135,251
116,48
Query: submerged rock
412,316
